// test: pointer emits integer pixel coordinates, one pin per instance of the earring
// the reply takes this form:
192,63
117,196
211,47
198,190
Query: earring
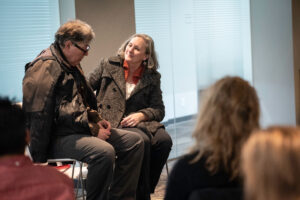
145,62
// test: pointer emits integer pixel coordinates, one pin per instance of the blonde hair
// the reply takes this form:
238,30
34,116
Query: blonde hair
76,31
271,164
151,62
227,116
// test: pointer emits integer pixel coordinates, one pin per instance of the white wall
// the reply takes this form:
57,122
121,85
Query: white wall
272,59
112,21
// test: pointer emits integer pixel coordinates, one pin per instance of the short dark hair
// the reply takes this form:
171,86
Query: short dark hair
12,128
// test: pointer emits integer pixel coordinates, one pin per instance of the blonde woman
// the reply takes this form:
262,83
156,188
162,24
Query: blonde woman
129,97
229,113
271,163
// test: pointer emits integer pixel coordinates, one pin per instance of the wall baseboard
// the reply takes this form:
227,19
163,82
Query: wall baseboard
179,119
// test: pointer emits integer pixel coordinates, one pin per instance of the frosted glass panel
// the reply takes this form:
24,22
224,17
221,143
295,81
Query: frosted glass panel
222,39
27,27
198,42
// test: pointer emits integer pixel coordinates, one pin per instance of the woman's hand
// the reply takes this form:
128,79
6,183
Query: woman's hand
133,119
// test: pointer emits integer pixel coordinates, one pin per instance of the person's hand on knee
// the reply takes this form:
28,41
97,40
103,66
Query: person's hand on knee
133,119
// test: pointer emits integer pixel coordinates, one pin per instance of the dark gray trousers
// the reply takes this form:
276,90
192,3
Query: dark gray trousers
156,153
108,177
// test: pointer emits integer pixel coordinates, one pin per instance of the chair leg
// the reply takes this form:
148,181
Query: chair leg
81,181
77,182
167,168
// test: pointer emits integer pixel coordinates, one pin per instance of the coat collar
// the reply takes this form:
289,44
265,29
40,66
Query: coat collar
117,73
60,57
147,79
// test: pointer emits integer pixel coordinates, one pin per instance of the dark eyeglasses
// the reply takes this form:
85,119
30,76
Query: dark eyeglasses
82,49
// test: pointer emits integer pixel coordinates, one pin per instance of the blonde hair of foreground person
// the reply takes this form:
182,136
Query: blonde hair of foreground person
228,114
271,164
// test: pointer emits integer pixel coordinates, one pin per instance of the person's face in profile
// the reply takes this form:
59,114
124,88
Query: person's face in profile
135,51
76,51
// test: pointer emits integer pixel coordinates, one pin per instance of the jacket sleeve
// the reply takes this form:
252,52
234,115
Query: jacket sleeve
38,103
156,109
94,78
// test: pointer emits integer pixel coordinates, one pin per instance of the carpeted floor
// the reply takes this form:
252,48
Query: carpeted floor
182,140
161,186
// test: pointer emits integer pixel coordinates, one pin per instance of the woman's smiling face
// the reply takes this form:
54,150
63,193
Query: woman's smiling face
135,51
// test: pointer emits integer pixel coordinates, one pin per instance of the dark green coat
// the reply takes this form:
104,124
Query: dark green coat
109,82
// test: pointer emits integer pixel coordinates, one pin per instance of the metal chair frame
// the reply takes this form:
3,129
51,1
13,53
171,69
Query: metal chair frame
80,180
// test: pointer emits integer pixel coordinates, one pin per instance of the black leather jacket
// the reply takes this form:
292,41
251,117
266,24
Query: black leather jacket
56,99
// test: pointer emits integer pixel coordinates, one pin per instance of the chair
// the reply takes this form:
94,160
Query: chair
75,173
79,177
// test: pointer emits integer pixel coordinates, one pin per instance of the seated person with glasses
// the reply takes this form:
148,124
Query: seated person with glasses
84,50
63,121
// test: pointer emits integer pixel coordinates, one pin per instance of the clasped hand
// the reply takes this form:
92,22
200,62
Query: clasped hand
104,130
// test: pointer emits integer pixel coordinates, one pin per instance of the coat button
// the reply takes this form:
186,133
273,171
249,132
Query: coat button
114,89
108,106
100,106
